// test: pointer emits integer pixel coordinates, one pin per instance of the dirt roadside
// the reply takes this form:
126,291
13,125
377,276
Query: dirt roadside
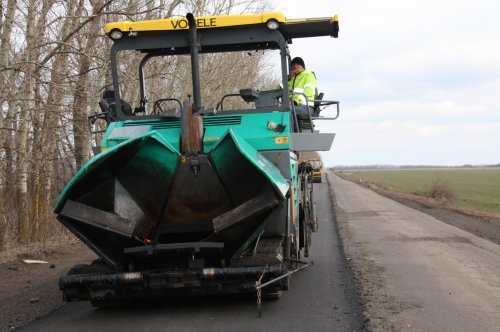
30,291
413,272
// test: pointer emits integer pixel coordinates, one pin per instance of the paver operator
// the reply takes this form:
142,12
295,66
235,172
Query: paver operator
301,82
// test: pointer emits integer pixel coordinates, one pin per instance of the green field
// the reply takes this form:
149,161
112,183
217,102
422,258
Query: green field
474,188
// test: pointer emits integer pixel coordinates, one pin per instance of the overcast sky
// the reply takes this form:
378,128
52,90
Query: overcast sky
418,81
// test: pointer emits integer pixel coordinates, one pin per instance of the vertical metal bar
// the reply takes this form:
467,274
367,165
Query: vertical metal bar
142,88
294,118
285,65
309,114
116,84
287,226
195,66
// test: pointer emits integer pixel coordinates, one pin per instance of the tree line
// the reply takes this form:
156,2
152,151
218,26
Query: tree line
54,66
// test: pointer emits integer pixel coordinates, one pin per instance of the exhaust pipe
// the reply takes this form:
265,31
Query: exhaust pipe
195,66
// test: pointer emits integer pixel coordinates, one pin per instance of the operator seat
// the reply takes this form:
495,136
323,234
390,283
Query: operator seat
107,105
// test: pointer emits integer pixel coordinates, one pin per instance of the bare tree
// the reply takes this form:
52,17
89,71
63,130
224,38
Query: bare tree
81,98
5,134
54,64
25,107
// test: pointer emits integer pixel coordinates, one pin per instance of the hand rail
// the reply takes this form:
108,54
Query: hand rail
157,104
328,103
322,102
295,114
222,101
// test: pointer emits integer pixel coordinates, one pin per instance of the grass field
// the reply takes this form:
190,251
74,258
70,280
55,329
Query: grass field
473,188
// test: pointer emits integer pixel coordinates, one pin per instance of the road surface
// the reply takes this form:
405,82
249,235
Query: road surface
321,298
416,272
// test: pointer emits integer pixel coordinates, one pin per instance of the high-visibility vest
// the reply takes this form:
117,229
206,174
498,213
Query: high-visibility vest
304,82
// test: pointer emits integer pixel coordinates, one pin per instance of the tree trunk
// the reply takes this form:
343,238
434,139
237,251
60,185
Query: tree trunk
53,114
5,134
25,107
81,101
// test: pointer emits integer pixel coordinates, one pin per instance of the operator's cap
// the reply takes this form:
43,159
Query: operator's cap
299,61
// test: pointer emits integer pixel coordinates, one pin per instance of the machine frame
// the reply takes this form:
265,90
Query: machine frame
141,260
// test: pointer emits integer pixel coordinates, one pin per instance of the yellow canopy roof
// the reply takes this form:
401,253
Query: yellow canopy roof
206,22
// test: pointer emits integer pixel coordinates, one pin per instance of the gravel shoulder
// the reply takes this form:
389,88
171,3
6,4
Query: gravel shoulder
414,272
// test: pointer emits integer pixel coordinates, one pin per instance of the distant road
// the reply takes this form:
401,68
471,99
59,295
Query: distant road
417,273
321,298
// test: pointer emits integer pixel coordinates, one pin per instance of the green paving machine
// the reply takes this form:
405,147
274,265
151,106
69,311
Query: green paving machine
194,199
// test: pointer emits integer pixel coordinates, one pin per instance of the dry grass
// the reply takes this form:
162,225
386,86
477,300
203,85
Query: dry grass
441,190
475,189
